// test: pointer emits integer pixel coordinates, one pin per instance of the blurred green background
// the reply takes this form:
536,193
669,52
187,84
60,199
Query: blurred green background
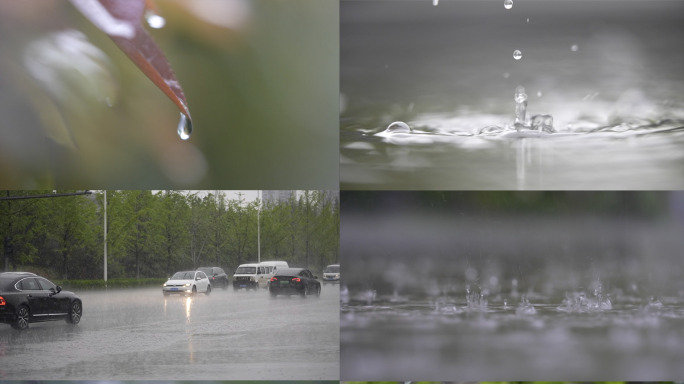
260,77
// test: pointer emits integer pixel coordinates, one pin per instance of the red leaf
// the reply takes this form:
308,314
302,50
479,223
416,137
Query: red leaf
122,21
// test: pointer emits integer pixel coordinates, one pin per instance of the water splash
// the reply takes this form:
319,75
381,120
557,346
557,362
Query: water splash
525,308
578,302
543,123
517,54
154,20
508,4
520,98
184,127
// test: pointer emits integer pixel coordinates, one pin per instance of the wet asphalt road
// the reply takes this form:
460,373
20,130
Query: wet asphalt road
139,334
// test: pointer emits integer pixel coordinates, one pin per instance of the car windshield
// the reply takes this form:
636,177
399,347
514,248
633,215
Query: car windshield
187,275
246,270
332,269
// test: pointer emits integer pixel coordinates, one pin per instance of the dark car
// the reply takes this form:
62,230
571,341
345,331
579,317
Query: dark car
294,281
28,298
217,276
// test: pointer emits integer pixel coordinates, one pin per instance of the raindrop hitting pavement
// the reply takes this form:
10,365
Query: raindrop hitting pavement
184,127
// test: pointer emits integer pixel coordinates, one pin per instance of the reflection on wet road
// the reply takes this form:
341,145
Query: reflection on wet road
139,334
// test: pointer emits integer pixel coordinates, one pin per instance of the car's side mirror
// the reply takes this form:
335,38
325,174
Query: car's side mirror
58,290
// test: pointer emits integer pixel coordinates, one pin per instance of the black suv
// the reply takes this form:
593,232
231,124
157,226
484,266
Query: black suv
217,277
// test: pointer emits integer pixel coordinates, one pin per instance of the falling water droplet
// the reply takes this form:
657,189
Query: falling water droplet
574,48
539,93
398,127
517,54
154,21
528,19
184,127
508,4
435,2
506,75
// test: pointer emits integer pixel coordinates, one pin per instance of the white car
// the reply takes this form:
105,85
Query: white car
187,282
331,274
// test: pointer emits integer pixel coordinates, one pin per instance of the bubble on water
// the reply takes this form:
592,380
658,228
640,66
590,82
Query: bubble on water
508,4
398,127
184,127
154,20
517,54
574,48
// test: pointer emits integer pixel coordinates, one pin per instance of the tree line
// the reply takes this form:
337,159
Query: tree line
154,234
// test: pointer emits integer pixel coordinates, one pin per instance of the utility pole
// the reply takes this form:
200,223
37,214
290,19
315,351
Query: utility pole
259,228
105,237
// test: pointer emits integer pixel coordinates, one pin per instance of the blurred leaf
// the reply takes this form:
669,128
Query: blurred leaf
122,22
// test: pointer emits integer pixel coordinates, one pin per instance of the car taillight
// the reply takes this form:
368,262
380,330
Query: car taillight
297,280
2,301
274,278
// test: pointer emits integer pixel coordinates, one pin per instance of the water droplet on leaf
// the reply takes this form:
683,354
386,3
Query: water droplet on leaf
154,21
517,54
184,127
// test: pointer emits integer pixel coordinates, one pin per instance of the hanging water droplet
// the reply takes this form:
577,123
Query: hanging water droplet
574,48
154,21
398,127
517,54
508,4
184,127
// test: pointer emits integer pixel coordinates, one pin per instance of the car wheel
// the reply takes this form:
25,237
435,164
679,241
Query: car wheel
304,292
225,285
194,290
273,294
22,321
208,290
75,312
318,291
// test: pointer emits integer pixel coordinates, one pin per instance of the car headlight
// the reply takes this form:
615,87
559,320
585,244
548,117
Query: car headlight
187,284
164,285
